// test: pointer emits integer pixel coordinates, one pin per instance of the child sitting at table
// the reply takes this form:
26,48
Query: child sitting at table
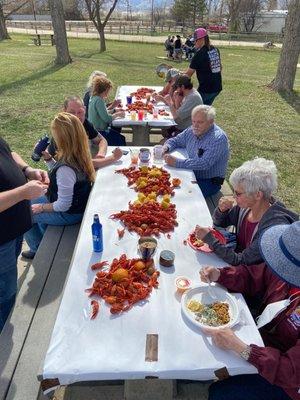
99,115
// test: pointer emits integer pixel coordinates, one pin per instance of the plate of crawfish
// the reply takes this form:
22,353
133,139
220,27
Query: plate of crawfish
199,245
124,283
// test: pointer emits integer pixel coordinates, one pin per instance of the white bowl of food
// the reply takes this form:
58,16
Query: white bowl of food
205,311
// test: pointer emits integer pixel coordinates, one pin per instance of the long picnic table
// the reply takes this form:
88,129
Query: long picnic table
113,347
141,129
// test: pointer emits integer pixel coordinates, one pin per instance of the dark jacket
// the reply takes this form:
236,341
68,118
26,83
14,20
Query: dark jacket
279,361
277,214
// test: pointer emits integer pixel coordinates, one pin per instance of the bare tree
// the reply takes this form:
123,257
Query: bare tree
272,5
287,66
248,12
60,35
94,8
4,16
234,14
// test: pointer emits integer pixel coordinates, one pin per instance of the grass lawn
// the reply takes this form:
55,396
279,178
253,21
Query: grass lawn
258,121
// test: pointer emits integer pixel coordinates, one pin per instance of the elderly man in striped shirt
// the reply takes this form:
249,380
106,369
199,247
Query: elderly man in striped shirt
207,148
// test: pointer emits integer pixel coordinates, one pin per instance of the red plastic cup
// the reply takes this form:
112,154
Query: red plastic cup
140,115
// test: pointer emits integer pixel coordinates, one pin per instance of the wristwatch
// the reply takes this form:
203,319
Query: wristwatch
245,354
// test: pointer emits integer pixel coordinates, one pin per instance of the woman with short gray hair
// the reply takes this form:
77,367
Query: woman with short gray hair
251,210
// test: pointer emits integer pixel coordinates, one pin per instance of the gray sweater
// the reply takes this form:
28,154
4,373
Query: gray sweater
277,214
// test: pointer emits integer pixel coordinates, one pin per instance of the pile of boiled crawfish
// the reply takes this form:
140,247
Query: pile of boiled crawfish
127,282
142,93
139,105
150,218
146,216
150,179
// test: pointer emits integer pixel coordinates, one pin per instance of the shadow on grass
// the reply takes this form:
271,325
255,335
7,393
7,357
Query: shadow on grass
48,70
293,99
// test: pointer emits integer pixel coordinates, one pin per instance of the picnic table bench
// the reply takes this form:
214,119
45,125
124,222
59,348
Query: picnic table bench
39,38
26,335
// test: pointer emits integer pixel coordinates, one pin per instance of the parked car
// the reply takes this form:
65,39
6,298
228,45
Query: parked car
217,28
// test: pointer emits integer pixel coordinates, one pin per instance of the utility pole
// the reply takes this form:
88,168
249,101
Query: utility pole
152,16
34,15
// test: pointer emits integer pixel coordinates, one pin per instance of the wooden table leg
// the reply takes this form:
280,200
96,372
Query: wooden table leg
140,135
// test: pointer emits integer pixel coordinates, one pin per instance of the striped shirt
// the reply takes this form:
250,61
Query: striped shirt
207,154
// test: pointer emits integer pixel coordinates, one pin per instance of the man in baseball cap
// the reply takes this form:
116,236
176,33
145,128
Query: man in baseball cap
172,74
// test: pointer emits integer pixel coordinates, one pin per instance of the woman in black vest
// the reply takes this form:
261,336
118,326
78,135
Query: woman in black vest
71,178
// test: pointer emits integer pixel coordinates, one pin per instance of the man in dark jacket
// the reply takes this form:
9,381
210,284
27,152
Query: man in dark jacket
15,218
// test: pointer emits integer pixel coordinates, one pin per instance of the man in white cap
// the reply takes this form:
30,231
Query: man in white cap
277,283
207,64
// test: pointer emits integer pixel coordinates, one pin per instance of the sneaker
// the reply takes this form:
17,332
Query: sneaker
28,254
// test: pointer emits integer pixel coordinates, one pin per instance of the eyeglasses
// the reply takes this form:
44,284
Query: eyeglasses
238,194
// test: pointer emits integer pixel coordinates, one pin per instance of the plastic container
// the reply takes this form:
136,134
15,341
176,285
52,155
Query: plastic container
144,155
182,284
97,235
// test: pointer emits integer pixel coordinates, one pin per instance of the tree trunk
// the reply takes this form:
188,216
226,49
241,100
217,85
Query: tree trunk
102,39
234,10
3,30
287,66
60,34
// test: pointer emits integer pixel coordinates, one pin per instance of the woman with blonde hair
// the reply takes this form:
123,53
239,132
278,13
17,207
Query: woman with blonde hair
71,178
252,210
100,116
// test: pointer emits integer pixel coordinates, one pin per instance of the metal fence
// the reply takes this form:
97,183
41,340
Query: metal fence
145,29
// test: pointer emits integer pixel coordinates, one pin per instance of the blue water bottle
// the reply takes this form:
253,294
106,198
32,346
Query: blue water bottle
97,234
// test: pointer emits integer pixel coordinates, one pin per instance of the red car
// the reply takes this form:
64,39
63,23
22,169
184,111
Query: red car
218,28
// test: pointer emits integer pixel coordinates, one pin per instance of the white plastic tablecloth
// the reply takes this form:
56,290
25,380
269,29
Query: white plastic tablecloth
113,347
161,121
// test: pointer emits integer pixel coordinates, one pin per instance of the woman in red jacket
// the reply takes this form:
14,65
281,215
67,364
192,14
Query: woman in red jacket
278,363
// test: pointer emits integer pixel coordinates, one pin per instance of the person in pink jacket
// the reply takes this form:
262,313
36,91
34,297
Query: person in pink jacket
278,363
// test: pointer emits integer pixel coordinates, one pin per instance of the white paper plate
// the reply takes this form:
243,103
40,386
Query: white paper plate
201,294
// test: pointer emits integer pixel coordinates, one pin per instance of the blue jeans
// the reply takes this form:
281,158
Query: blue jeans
246,387
208,98
207,187
114,137
40,222
9,253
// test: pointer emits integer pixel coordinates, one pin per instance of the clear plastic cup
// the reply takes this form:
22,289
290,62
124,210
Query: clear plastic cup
140,115
134,156
155,112
133,115
158,151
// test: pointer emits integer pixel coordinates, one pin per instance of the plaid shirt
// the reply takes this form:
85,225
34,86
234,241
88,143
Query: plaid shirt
208,154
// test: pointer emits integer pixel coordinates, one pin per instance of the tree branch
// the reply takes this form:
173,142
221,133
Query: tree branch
16,9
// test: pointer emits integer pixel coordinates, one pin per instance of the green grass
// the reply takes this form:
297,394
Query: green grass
259,122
